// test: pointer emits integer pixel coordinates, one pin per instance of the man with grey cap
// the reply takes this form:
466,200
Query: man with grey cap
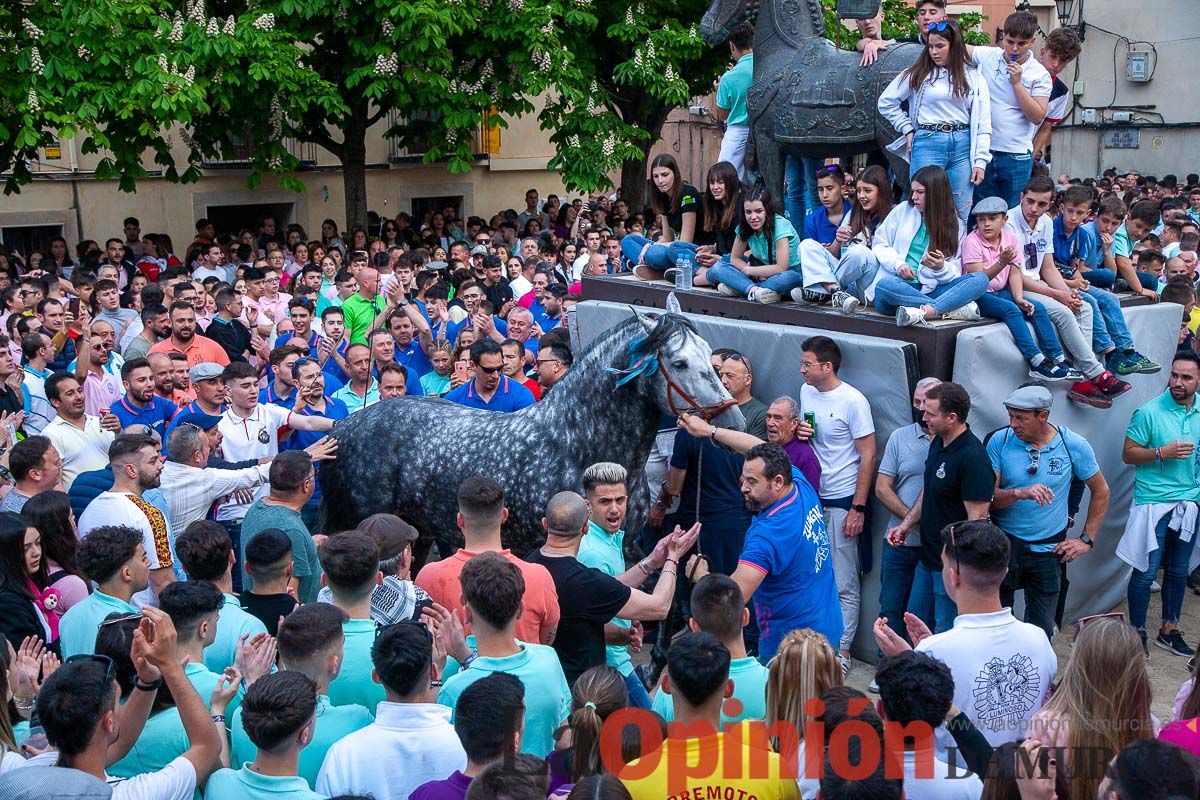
210,395
397,598
1035,462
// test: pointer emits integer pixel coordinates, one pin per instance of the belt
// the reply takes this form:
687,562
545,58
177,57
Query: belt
944,127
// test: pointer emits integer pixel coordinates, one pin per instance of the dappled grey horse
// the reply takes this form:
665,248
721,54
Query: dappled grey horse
407,456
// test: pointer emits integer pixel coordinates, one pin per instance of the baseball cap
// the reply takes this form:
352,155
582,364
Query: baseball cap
204,422
990,205
479,250
436,265
206,371
1029,398
392,533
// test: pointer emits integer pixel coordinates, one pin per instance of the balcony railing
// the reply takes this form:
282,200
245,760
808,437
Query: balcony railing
240,153
399,154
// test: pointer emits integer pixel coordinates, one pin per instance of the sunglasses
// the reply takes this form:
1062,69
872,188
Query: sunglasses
1035,458
488,370
1082,621
110,666
940,26
953,529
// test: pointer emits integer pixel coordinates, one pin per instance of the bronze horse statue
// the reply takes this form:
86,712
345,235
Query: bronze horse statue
808,98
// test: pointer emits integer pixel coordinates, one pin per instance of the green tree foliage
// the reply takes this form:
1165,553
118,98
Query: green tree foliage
899,22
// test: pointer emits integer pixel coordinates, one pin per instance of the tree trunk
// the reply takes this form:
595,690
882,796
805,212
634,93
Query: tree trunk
648,114
354,168
633,181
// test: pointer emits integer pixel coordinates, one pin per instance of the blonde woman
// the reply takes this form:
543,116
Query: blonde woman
597,693
1101,704
803,669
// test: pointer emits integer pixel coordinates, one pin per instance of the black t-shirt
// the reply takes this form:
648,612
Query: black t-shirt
689,200
953,475
268,608
497,295
233,336
10,401
721,477
587,598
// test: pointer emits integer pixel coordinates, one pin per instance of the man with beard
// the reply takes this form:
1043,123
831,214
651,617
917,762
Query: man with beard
184,339
156,326
140,405
551,307
80,439
786,567
162,375
137,466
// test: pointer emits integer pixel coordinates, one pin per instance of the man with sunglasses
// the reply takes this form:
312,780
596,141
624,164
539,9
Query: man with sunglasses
81,710
1035,463
490,390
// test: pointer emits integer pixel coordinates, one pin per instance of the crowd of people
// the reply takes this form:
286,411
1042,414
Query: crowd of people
178,621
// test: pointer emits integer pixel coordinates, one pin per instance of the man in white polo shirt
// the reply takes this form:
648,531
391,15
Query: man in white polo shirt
81,440
1019,87
251,430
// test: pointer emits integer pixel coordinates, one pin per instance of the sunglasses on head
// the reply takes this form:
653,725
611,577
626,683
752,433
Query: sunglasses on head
110,666
940,26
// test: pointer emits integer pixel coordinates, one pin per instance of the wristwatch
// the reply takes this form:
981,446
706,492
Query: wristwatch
859,507
1083,537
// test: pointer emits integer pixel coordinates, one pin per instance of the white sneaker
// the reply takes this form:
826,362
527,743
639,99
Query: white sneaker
873,687
765,296
847,303
726,290
844,661
967,313
908,315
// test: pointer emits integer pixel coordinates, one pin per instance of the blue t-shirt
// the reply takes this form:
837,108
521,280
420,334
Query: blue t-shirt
190,408
156,414
331,368
547,696
765,253
509,396
818,227
1081,244
789,545
335,410
354,685
749,688
1067,456
246,784
413,358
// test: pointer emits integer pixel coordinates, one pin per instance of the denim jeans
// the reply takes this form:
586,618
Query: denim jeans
1108,322
658,256
891,293
1173,554
734,278
854,271
1075,332
1105,278
1038,575
638,696
952,152
899,590
944,609
800,175
1005,177
999,305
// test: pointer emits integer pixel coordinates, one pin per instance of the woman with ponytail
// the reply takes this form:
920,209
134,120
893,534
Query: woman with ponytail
598,693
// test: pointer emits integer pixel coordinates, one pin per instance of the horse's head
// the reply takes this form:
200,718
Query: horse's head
676,364
723,16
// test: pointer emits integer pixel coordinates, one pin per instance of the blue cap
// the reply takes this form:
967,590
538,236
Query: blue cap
204,422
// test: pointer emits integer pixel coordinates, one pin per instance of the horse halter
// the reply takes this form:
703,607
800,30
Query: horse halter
707,413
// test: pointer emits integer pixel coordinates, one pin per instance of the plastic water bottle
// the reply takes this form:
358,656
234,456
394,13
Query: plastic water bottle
683,274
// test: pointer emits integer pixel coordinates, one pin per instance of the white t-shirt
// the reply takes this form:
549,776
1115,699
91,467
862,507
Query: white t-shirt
175,781
121,508
842,415
1036,242
1002,671
1012,132
254,437
941,786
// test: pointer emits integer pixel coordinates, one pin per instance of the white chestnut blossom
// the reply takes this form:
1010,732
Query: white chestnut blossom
33,30
230,26
33,102
265,23
35,60
214,27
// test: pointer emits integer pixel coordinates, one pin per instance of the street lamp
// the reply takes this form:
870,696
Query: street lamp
1065,7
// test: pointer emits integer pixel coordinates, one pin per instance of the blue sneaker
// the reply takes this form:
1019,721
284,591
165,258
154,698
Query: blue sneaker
1121,364
1142,364
1047,370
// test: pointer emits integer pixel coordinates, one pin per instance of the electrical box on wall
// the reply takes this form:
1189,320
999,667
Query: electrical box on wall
1089,116
1139,66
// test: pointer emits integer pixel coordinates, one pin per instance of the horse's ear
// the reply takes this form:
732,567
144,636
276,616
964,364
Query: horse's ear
673,304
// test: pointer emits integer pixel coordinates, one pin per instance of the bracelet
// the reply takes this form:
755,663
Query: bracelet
668,572
148,687
24,704
219,719
642,566
712,435
469,660
1158,454
671,561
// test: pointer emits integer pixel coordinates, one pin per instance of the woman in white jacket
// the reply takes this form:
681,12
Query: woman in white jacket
949,119
920,273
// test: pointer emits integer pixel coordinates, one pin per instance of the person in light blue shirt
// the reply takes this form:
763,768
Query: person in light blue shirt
280,717
1035,463
114,558
764,265
310,643
351,564
492,589
719,610
730,105
206,552
362,389
193,607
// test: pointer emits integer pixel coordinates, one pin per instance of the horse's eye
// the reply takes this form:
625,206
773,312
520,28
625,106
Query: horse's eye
681,364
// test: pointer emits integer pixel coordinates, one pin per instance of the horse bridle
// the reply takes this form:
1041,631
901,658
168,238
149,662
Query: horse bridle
707,413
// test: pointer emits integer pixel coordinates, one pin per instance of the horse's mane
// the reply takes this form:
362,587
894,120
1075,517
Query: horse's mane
669,326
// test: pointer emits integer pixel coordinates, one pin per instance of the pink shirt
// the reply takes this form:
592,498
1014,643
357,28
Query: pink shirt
976,250
100,390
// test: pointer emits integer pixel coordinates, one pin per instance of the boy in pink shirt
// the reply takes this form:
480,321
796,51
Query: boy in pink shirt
992,250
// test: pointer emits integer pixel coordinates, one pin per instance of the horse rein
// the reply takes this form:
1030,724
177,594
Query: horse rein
707,413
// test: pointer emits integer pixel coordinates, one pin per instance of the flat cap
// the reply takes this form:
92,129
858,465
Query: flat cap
206,371
1030,398
990,205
